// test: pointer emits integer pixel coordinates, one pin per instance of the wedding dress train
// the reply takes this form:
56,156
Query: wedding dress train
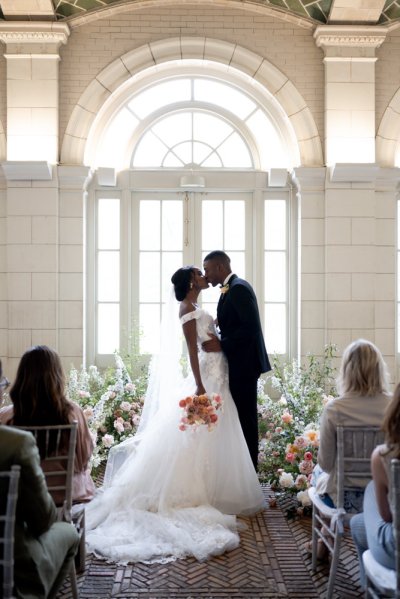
168,493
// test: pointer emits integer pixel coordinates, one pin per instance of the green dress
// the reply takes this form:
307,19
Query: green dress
44,549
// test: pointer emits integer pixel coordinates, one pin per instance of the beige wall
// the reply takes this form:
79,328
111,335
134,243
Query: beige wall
348,228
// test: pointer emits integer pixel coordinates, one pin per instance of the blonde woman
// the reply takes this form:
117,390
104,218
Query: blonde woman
363,388
364,396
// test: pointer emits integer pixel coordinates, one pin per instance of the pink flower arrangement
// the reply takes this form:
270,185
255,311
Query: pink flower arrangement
200,410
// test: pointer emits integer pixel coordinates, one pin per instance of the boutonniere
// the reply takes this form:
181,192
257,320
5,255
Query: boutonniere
224,288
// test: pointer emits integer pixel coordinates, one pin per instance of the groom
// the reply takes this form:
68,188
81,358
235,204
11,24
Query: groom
241,341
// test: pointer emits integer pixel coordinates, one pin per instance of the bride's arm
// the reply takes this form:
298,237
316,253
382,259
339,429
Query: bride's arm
190,332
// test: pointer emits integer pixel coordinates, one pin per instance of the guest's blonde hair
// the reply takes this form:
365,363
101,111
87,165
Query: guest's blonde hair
363,370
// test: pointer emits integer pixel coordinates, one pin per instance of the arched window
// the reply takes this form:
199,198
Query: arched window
193,150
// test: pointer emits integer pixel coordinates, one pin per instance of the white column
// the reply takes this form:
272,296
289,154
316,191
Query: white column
349,91
310,185
32,89
73,183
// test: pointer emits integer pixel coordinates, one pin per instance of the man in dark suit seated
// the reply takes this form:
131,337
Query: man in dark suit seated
43,549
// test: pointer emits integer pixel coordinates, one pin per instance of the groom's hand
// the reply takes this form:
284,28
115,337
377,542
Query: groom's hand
212,344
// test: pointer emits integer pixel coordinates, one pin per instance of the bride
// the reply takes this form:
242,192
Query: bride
169,493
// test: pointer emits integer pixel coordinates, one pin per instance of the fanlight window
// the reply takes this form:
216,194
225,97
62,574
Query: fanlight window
187,121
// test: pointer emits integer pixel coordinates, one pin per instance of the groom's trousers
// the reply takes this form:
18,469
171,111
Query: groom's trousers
244,393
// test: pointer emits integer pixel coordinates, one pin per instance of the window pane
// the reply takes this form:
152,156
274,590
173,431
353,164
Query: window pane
150,151
275,328
149,228
235,223
213,161
108,328
159,95
237,263
171,261
172,161
172,225
275,224
108,277
234,152
116,139
184,151
175,128
272,153
108,224
149,324
210,129
223,95
200,152
149,277
275,276
212,224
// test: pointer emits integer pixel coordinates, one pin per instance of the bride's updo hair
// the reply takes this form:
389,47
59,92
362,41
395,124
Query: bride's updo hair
181,280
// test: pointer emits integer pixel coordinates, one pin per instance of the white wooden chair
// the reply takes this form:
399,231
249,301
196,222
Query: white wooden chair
56,446
381,581
7,525
354,447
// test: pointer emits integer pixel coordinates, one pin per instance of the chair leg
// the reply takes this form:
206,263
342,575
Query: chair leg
314,540
334,564
80,558
74,584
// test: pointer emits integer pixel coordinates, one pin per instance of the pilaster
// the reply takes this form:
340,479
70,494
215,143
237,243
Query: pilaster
349,91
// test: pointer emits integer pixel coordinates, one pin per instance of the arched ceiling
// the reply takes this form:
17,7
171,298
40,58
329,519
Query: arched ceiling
349,12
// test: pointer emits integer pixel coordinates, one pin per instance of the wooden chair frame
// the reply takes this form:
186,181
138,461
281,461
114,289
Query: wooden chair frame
57,461
354,447
7,521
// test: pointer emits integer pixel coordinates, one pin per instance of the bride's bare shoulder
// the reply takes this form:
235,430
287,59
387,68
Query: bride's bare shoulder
185,308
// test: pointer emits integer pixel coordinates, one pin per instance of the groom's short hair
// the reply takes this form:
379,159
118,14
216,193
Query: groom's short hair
219,256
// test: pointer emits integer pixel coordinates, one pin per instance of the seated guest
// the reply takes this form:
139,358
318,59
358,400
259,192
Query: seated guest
364,396
43,548
38,399
363,388
373,528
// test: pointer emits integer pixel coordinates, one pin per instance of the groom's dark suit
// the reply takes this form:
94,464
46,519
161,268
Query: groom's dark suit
243,344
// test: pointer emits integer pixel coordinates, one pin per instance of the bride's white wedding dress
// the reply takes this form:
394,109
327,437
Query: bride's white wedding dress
177,492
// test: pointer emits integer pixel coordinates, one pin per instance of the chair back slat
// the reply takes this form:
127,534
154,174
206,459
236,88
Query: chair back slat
57,452
7,525
355,445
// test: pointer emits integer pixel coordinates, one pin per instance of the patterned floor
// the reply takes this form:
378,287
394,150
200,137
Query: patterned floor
270,563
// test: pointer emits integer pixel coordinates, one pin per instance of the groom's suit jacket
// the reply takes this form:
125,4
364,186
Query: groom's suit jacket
241,335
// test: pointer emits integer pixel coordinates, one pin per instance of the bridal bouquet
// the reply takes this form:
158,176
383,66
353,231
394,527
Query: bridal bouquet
200,410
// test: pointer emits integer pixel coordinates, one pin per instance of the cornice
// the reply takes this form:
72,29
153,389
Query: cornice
34,33
327,36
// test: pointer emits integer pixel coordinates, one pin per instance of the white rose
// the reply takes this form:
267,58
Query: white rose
108,440
282,401
125,406
303,498
286,480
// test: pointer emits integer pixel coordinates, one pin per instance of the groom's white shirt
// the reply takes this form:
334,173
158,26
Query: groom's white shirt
227,279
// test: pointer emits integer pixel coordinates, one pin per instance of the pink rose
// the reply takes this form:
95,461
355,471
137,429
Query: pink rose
278,429
287,418
308,455
306,467
290,457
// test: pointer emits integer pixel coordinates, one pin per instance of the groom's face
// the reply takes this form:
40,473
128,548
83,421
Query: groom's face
212,272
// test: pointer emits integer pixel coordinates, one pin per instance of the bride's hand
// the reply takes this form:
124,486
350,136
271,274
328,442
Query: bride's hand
200,390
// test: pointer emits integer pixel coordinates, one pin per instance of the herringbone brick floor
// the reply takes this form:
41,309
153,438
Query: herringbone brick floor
270,563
